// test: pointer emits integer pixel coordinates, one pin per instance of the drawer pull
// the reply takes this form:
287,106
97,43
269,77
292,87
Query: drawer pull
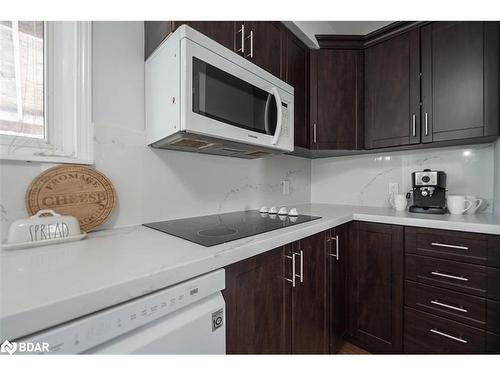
450,246
434,302
434,330
449,276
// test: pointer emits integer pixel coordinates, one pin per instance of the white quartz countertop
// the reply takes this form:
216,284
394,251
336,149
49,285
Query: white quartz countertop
45,286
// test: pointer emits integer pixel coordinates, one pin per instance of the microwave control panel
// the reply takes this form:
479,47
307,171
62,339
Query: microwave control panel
285,120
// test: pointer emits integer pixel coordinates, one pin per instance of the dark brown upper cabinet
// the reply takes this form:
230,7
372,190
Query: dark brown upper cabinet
263,44
223,32
408,85
336,99
459,80
296,74
392,111
433,83
375,279
257,41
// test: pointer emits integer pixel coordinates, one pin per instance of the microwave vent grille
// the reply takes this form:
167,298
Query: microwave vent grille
183,141
191,143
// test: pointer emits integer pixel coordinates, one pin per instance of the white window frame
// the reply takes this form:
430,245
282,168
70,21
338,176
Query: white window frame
67,100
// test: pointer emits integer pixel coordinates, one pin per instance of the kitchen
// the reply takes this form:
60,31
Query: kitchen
367,108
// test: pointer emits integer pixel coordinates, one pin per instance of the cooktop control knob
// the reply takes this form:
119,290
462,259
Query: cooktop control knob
273,210
293,212
263,210
283,211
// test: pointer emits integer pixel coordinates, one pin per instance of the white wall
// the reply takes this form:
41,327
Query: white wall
155,184
364,180
497,178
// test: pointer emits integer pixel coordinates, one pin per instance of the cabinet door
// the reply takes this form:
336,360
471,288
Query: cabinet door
154,33
222,32
263,45
338,100
459,80
309,298
256,311
392,112
296,58
376,287
337,253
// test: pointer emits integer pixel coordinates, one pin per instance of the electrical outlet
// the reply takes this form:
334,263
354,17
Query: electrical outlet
285,187
393,188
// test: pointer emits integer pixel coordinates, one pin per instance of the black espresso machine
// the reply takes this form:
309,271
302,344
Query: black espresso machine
429,192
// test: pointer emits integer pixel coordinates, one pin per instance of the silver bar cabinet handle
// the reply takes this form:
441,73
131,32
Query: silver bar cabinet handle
314,133
437,273
435,302
242,31
426,125
450,246
437,332
336,239
251,44
301,275
414,125
292,280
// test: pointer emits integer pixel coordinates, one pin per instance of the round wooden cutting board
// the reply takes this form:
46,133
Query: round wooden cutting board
74,190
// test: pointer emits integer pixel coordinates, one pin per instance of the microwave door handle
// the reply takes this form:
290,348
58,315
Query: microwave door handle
277,133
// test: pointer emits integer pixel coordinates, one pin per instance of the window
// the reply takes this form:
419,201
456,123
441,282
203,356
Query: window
45,88
21,79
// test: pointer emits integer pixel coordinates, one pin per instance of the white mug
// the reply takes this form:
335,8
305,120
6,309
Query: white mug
399,202
476,203
457,204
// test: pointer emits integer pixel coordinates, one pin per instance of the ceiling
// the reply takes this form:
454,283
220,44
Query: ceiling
306,30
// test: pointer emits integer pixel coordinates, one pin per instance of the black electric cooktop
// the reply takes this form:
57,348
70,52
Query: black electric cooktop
216,229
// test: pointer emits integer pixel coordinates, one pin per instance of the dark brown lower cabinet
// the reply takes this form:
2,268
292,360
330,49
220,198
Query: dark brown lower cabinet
452,293
375,277
256,311
337,250
348,283
309,298
267,313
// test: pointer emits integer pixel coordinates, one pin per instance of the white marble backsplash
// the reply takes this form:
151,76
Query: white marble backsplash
153,184
364,179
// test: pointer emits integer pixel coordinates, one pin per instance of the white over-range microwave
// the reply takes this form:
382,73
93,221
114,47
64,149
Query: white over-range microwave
203,97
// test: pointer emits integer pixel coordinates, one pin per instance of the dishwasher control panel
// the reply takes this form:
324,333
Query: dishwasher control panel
84,333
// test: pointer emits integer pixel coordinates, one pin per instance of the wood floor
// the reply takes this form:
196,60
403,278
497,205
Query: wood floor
349,348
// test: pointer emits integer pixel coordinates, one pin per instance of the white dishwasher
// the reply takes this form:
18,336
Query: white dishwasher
187,318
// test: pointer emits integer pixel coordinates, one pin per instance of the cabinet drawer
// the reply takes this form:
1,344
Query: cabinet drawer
446,303
453,245
462,277
427,333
